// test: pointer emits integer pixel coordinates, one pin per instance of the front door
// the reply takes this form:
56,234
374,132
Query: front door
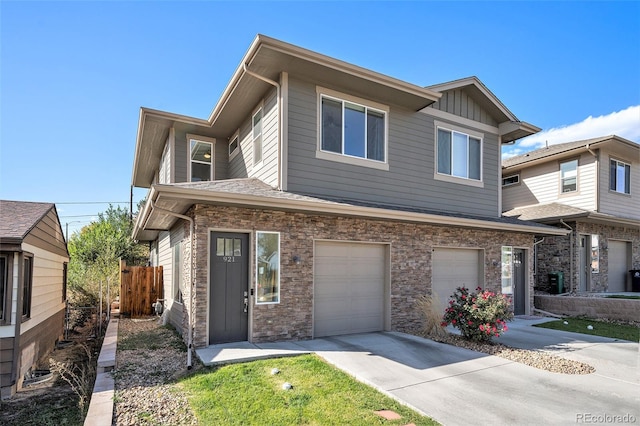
519,283
229,286
585,268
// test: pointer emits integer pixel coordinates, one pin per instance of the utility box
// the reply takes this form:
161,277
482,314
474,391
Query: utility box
556,283
635,279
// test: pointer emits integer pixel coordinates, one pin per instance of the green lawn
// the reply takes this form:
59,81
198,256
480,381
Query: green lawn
600,328
249,394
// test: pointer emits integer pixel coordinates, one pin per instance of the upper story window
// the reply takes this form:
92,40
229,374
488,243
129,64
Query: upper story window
511,180
620,177
256,129
201,158
234,146
569,176
459,154
352,129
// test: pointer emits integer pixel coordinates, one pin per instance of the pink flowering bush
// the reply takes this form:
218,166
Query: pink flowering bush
480,315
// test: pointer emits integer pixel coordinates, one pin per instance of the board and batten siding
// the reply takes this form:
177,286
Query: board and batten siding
615,203
459,103
540,184
410,178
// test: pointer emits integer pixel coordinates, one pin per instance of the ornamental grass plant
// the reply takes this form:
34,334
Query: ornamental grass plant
479,315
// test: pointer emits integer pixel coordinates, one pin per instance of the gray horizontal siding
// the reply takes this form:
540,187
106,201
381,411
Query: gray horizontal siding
410,178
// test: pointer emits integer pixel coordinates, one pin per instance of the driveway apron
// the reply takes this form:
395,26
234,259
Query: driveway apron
457,386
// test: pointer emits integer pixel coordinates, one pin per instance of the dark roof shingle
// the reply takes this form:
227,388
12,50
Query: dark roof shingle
17,218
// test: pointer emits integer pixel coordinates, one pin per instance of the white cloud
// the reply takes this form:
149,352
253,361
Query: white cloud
625,123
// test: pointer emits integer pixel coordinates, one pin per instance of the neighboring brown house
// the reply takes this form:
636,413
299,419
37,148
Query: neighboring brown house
33,275
591,187
321,198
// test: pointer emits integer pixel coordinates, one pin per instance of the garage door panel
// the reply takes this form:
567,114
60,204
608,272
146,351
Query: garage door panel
349,290
453,268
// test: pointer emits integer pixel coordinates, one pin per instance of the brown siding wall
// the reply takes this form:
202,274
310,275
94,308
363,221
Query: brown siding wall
36,343
47,235
411,247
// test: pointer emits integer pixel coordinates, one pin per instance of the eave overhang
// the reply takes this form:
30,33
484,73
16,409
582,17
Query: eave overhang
179,199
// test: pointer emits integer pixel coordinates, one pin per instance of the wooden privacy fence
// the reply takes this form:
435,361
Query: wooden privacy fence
140,288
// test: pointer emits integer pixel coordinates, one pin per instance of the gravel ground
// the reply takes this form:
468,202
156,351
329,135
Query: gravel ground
145,379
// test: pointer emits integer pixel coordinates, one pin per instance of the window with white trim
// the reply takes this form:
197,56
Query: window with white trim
569,176
234,146
620,177
5,288
352,129
459,154
268,267
256,131
511,180
201,160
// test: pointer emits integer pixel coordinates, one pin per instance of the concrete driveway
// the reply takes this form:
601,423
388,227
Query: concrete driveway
459,387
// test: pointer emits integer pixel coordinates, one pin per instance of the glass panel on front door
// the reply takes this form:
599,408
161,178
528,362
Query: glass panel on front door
228,247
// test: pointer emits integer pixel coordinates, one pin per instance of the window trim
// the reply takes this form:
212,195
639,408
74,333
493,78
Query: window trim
235,137
577,190
517,182
469,133
27,287
258,109
65,276
618,162
321,154
203,139
278,283
8,290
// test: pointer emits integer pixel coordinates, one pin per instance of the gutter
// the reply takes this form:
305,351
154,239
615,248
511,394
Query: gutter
279,106
192,273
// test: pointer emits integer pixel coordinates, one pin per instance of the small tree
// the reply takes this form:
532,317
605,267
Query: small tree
479,316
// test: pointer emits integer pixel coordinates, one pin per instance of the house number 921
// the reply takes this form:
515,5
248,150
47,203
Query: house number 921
229,259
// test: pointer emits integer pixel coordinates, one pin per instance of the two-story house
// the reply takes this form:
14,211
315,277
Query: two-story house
33,288
321,198
592,188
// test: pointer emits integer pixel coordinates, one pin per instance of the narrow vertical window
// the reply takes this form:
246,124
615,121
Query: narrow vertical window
595,254
201,153
64,281
507,270
233,147
268,267
27,286
569,176
177,273
4,280
256,126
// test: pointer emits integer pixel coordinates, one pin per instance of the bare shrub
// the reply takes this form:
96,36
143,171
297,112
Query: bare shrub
79,374
431,310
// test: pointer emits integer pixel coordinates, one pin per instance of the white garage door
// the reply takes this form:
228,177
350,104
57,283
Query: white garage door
349,288
453,268
618,267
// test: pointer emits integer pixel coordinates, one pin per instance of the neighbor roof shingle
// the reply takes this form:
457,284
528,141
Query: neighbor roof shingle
17,218
550,150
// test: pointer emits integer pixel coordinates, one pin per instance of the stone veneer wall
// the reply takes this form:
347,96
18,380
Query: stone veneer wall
292,319
555,254
592,307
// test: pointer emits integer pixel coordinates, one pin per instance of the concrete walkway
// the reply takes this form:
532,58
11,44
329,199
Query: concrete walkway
456,386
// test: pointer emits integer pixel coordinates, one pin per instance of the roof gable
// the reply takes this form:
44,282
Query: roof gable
553,152
18,218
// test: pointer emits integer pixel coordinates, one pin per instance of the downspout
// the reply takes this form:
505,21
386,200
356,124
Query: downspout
570,252
193,276
278,89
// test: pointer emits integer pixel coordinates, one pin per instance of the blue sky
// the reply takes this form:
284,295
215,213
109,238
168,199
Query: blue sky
74,74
